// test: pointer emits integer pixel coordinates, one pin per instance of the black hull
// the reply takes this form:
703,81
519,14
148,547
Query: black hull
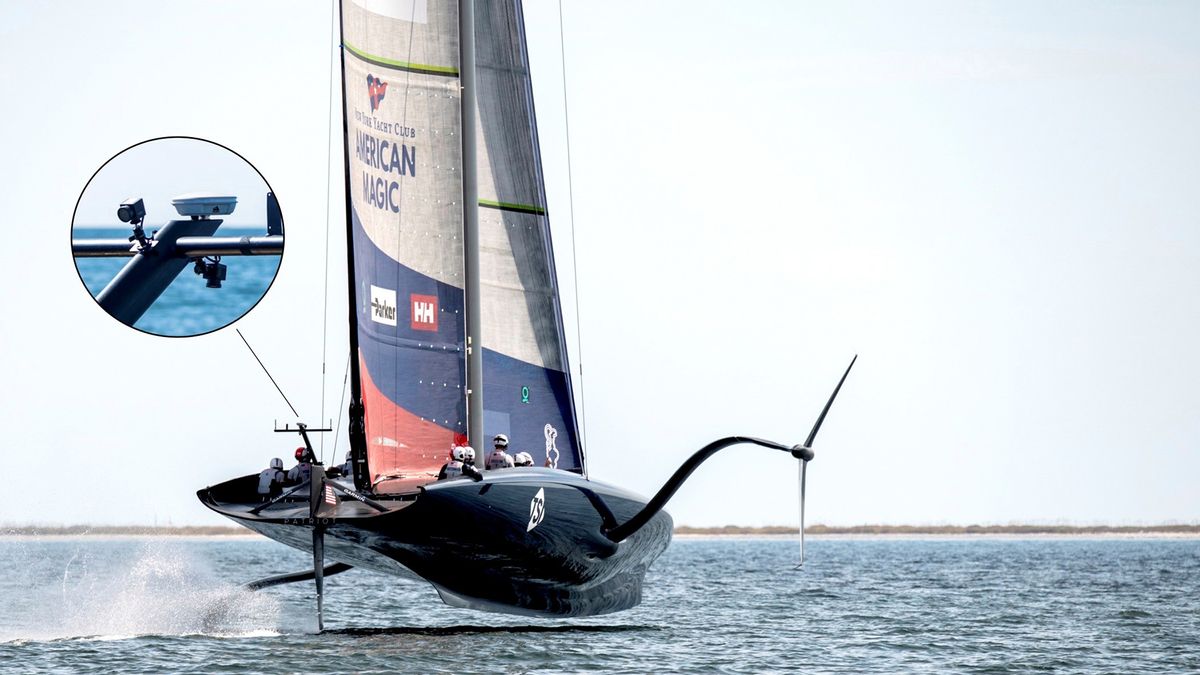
473,542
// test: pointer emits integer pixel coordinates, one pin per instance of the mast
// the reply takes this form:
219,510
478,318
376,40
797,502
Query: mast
474,343
358,445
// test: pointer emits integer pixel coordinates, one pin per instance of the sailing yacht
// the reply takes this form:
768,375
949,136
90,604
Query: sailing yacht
456,336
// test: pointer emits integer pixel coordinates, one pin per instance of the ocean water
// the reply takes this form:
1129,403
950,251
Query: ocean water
187,306
94,605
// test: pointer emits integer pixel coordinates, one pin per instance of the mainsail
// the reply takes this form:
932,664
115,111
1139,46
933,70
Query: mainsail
405,220
404,149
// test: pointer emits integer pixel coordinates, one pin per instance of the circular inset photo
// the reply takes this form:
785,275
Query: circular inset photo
177,236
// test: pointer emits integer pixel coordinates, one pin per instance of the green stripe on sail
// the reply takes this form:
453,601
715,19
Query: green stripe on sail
509,206
401,65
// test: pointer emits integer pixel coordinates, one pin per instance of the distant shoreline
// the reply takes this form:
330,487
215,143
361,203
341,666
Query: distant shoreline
945,530
856,531
124,530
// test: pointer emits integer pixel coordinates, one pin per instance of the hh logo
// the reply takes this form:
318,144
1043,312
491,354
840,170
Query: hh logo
424,312
383,305
376,88
537,509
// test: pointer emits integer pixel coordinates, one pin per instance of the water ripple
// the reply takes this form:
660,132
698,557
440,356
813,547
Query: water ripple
724,606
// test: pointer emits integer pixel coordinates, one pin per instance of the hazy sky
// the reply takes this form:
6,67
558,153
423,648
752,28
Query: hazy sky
160,170
994,204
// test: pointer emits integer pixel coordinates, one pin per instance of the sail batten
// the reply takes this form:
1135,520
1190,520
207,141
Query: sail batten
510,206
424,68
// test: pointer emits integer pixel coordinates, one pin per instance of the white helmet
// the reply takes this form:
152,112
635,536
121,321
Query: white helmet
276,463
523,459
468,454
458,453
501,441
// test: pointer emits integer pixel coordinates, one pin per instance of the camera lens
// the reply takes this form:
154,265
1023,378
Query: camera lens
125,213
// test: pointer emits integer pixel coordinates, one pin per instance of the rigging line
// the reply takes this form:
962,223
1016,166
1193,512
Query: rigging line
260,363
328,161
341,408
562,52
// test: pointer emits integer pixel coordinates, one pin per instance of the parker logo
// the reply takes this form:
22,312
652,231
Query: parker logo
383,305
376,88
537,509
424,312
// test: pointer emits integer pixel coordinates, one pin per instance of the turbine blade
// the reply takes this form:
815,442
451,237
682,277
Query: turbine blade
812,435
803,475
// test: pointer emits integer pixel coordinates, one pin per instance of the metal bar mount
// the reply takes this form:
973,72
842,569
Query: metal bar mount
139,283
303,429
185,247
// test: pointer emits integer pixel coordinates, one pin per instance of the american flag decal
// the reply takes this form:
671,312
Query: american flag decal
330,497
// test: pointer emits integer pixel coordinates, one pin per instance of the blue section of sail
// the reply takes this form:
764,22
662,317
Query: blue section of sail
530,397
421,370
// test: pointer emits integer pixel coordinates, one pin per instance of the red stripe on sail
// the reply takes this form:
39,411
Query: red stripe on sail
403,450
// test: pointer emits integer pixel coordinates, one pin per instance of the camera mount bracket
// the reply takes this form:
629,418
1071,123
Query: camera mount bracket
144,244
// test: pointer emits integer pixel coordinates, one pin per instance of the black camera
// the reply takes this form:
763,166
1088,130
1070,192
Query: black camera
212,271
214,275
131,211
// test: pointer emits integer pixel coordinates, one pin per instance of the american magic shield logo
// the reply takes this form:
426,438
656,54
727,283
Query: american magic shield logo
376,88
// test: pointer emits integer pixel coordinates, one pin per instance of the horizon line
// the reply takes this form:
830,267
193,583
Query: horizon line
771,530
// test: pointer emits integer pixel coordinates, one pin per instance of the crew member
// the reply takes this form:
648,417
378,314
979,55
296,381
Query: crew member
453,468
468,463
346,468
303,470
499,459
523,459
270,479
